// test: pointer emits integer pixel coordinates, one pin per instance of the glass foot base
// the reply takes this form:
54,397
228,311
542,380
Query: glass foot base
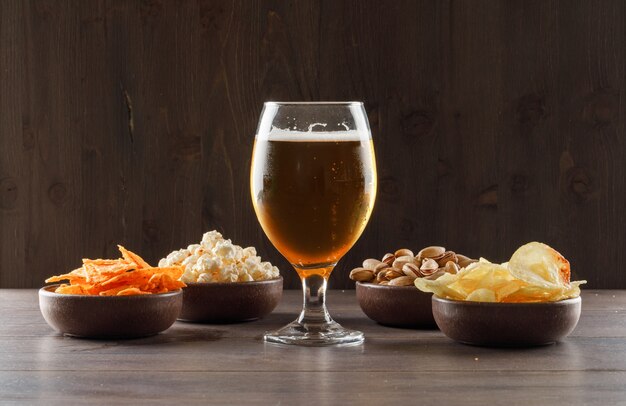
314,335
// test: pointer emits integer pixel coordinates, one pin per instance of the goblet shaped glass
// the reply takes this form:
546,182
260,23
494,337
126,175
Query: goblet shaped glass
313,185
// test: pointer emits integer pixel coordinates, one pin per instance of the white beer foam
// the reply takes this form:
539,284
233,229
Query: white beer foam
315,136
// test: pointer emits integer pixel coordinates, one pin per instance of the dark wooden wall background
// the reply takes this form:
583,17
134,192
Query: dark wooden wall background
495,123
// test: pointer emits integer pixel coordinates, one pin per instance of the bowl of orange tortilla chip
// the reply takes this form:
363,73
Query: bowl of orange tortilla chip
113,298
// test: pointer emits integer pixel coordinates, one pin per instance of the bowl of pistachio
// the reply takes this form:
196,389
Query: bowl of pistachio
385,288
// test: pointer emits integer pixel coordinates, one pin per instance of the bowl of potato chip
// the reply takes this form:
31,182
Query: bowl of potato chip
113,298
385,288
526,301
225,283
506,324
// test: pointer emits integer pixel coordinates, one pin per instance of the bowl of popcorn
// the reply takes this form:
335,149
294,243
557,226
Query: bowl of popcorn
225,282
385,288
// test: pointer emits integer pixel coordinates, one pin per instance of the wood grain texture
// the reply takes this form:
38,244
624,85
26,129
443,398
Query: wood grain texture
132,122
217,364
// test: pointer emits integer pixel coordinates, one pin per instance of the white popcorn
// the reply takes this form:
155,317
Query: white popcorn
189,268
189,260
209,239
245,277
224,249
257,273
253,262
217,259
275,272
175,257
205,278
249,252
238,253
189,275
267,267
228,274
195,249
206,263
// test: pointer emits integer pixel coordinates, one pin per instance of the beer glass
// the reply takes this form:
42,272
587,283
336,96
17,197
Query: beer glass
313,185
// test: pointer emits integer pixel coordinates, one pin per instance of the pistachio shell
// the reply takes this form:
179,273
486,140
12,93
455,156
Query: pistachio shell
411,270
451,267
371,263
404,252
430,252
435,274
393,273
464,261
429,264
400,261
389,258
401,281
361,275
447,256
380,267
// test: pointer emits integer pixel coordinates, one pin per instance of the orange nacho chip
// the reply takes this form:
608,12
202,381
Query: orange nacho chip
129,275
133,291
133,258
71,290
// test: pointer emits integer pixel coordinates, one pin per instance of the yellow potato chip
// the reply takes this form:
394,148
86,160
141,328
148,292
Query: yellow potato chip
482,295
540,264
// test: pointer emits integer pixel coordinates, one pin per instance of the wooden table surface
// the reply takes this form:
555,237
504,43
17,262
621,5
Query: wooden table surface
230,364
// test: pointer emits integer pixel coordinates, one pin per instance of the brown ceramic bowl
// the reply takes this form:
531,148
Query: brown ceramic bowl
397,306
506,324
109,316
230,302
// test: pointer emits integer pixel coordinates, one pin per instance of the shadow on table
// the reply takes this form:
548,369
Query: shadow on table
433,346
181,334
170,336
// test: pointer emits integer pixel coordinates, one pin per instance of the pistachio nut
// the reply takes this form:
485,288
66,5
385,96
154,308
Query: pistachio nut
401,281
447,256
431,252
380,267
464,261
451,267
435,274
404,252
371,263
361,275
411,270
400,261
393,273
389,258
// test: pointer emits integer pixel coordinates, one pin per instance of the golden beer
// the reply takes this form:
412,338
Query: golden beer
313,195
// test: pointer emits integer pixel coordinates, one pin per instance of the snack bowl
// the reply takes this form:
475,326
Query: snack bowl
90,316
396,306
506,324
229,302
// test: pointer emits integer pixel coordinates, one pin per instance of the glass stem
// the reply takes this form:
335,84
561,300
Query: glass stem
314,306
